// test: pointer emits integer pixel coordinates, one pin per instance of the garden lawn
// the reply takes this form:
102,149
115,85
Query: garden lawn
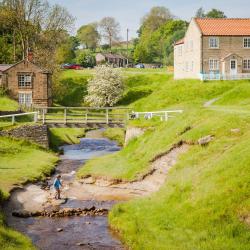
20,162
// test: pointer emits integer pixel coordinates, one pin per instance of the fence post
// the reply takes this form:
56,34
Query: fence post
35,117
107,116
166,116
13,120
86,116
43,116
65,116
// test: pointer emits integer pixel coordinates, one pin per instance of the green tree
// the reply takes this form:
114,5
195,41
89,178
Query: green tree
215,13
156,17
86,59
89,36
200,13
66,51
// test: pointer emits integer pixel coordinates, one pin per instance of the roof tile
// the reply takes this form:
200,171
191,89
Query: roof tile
224,26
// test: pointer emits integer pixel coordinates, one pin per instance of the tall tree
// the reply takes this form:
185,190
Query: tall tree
110,29
200,13
156,17
215,13
88,36
35,25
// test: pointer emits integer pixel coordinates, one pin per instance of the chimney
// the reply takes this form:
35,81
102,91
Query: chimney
30,55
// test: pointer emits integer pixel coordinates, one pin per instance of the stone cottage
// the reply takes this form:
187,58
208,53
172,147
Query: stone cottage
27,83
113,59
214,48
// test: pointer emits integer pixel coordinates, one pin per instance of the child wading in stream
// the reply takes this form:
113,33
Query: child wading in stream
57,186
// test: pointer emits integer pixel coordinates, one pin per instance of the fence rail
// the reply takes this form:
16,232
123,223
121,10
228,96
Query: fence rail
82,115
13,116
164,115
213,76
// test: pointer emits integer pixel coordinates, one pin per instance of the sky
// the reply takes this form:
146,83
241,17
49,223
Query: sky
129,12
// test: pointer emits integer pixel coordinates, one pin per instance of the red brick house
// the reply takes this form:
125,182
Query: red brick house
27,83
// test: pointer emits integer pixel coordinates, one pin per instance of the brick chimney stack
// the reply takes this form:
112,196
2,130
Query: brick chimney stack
30,56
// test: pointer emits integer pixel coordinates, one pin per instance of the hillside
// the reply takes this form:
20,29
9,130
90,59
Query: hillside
204,203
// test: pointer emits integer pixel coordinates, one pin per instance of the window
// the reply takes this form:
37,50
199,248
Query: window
186,68
180,50
24,81
246,42
214,42
246,64
25,99
213,64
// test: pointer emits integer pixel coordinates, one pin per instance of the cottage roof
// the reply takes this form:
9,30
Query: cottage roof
4,67
113,56
224,26
181,41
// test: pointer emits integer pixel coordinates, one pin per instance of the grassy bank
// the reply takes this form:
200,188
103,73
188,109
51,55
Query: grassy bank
115,134
61,136
204,203
187,95
20,162
7,104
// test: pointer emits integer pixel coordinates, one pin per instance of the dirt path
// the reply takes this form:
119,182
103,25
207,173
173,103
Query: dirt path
102,189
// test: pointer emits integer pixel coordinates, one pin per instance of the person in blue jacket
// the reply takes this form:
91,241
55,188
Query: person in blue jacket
57,186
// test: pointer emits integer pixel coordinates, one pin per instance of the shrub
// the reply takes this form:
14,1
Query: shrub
106,87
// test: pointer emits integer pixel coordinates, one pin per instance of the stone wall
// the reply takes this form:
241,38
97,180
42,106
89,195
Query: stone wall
33,133
133,132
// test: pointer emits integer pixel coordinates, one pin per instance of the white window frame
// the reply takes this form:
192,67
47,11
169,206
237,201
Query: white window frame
180,50
214,64
246,42
24,80
25,98
247,61
214,42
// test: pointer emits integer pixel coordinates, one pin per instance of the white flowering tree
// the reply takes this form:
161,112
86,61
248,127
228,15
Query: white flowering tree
105,88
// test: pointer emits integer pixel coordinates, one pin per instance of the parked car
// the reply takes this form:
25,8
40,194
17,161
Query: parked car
140,66
71,66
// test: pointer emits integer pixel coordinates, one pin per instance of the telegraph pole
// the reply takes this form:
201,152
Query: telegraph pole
127,45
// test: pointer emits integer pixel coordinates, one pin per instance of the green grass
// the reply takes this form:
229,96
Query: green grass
116,134
61,136
7,104
20,162
205,199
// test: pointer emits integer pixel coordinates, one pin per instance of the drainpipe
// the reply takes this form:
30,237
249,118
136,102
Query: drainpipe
202,66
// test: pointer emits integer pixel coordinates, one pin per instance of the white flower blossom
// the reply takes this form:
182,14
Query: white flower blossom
106,87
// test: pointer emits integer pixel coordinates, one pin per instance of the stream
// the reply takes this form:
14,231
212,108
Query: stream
76,232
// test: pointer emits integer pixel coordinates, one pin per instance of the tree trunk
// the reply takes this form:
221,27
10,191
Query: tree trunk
14,46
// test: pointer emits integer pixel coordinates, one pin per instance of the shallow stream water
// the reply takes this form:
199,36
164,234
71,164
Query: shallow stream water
91,232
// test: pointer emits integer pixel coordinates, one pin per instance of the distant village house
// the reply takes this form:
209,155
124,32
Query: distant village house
112,59
214,49
27,83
